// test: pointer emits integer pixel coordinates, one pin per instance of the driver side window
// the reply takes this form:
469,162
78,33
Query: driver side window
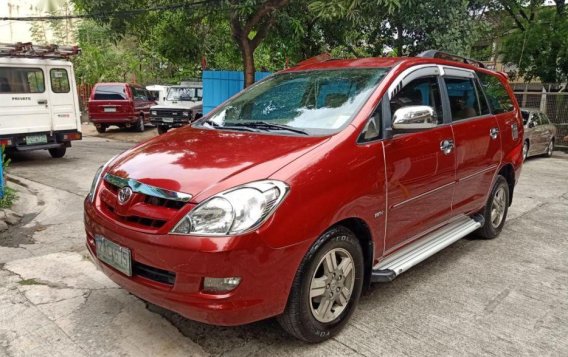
421,91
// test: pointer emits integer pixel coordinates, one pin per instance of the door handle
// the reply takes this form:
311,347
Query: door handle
42,101
447,146
494,133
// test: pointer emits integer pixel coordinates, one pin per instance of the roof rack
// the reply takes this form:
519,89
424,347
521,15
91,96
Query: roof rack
29,50
450,57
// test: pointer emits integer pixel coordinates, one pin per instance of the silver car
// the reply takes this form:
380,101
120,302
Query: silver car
539,133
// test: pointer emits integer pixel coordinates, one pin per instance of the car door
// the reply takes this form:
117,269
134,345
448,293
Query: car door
543,132
62,98
477,139
420,173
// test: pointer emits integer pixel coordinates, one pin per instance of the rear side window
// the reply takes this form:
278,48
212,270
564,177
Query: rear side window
21,80
496,93
464,102
59,80
110,92
139,93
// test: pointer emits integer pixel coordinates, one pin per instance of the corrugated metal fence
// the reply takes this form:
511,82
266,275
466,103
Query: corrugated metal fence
554,104
219,86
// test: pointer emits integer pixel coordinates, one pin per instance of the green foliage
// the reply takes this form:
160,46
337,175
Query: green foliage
9,197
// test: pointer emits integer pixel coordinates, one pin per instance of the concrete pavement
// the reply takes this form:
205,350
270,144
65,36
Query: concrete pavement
507,296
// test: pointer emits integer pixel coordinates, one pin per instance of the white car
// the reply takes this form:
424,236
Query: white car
39,107
183,105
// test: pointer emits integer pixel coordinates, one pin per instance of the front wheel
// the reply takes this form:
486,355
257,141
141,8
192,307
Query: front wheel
326,288
139,127
496,209
57,153
550,148
101,128
162,129
525,150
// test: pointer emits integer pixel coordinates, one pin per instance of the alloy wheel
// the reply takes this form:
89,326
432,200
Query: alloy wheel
498,207
525,151
332,285
550,149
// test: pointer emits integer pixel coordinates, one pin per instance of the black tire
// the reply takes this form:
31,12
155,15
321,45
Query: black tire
298,319
139,126
162,129
101,128
550,148
490,229
57,153
526,147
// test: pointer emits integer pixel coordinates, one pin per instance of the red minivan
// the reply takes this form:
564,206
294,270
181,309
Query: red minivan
292,196
121,104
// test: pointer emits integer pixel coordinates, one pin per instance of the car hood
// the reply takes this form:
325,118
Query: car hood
177,105
192,160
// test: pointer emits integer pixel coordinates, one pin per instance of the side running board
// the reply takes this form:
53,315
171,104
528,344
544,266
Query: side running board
405,258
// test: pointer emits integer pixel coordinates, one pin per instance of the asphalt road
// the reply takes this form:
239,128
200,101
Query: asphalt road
507,296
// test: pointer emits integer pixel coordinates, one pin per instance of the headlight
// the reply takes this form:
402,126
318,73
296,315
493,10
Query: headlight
97,179
234,211
185,114
153,112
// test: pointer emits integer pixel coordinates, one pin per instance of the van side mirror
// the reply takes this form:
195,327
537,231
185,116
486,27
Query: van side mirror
414,118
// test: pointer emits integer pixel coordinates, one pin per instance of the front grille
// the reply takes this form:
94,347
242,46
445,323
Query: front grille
155,274
169,113
159,217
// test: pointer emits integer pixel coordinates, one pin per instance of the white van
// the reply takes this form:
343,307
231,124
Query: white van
159,92
39,107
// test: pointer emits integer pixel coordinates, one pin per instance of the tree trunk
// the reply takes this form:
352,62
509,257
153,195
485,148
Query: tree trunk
247,53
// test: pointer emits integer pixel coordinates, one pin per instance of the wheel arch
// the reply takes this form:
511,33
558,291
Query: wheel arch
508,172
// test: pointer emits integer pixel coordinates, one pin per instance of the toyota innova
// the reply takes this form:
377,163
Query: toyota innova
291,197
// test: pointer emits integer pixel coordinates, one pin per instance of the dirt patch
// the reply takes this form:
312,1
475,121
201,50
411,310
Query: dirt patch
18,234
115,133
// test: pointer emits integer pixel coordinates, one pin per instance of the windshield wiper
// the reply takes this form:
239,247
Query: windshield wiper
270,126
214,125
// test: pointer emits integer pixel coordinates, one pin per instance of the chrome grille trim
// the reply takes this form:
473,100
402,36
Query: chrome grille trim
148,190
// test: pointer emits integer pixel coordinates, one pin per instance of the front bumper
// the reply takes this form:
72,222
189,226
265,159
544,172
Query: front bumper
267,273
175,122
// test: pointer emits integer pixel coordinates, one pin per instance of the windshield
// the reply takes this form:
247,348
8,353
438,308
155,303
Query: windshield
185,94
317,102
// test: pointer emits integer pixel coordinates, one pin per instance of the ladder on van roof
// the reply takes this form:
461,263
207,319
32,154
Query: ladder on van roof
29,50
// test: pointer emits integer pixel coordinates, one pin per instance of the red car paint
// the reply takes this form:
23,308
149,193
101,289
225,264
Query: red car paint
126,111
397,188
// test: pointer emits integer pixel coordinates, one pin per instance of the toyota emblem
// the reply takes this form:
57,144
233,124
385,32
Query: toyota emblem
124,195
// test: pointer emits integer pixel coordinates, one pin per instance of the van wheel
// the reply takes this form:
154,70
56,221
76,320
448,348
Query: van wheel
101,129
57,153
496,209
162,129
139,127
326,288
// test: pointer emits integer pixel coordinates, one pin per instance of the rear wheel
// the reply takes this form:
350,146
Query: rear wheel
326,288
101,128
496,209
162,129
57,153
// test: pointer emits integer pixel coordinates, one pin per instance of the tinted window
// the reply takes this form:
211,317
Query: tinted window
463,98
59,80
526,116
110,92
421,91
545,119
139,93
21,80
496,93
319,101
482,100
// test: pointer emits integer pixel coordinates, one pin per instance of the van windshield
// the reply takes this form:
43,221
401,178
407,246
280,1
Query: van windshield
184,94
110,92
315,102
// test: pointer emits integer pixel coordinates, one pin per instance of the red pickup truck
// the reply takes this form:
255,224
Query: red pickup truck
291,197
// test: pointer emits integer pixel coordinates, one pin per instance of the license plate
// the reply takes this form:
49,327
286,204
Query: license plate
36,139
110,110
114,255
168,120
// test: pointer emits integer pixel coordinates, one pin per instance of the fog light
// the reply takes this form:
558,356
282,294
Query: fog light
221,285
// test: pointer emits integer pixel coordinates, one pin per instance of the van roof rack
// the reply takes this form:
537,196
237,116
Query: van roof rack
450,57
29,50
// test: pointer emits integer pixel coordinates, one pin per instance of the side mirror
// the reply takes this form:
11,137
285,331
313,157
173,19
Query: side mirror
531,124
414,118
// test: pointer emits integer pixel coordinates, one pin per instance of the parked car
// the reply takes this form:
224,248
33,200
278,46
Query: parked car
121,104
182,105
294,195
540,133
38,98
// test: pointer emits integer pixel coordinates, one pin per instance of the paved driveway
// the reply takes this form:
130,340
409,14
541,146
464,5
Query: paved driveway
507,296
